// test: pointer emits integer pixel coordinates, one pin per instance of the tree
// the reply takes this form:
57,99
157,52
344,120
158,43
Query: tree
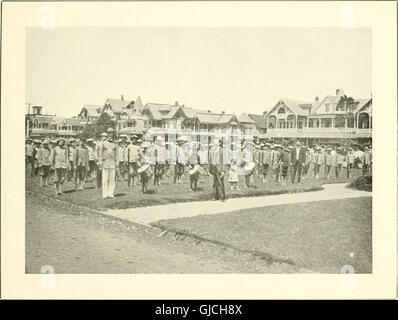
347,105
94,130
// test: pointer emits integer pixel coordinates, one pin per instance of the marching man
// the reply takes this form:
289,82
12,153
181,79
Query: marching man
80,161
108,162
132,156
43,159
59,159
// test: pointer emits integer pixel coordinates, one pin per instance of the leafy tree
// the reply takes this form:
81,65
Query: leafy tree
94,130
347,105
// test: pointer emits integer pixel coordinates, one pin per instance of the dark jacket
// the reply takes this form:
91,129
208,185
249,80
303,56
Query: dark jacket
301,156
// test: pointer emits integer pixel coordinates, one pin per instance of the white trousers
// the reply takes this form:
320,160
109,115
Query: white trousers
108,182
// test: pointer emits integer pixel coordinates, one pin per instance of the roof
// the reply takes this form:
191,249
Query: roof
117,104
259,120
244,118
172,112
138,102
191,112
294,105
361,103
43,118
156,108
93,110
214,118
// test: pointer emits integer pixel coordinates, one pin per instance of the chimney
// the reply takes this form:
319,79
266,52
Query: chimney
176,103
208,111
316,98
122,97
37,110
337,92
222,112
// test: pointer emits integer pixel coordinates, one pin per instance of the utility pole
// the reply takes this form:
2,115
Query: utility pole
29,104
28,120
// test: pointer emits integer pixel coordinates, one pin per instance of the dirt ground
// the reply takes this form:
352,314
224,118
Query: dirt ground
74,241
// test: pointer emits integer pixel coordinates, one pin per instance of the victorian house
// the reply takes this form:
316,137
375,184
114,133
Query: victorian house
38,124
89,113
115,107
332,118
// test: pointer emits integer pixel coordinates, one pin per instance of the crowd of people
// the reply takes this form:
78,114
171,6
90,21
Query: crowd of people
134,161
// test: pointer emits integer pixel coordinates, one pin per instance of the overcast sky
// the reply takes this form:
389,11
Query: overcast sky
232,69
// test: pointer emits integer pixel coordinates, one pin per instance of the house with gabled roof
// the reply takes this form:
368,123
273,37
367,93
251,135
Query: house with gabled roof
114,107
171,115
90,113
38,124
318,120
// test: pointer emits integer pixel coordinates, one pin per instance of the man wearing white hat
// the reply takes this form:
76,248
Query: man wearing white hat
109,163
133,155
29,149
91,159
181,159
59,159
43,159
350,159
217,169
71,151
81,163
160,159
98,174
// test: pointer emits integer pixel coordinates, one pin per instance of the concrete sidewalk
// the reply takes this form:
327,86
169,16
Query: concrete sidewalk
146,215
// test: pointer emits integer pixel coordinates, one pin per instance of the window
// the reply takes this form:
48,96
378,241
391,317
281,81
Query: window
300,125
327,107
281,110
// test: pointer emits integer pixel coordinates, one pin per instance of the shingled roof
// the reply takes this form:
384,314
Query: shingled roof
244,118
294,105
92,110
259,120
214,118
118,105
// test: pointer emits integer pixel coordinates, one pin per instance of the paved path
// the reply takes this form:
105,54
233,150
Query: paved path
146,215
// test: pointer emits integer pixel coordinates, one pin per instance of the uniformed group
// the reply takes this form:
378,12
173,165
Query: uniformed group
135,161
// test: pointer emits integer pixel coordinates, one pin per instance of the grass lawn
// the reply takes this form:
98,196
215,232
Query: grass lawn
321,236
168,192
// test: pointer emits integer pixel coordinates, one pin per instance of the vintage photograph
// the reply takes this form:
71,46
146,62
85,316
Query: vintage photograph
198,150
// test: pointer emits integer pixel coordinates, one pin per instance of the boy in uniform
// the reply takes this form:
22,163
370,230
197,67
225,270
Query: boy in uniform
81,164
59,160
43,159
132,157
350,159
